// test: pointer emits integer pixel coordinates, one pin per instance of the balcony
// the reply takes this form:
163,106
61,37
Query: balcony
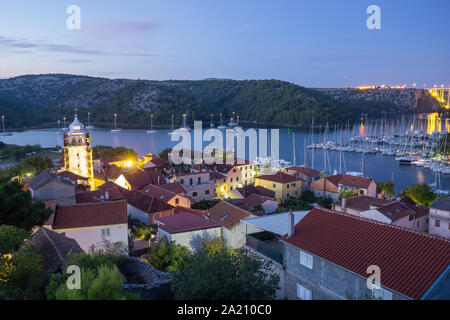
267,244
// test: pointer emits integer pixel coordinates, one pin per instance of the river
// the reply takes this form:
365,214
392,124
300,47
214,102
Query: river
377,166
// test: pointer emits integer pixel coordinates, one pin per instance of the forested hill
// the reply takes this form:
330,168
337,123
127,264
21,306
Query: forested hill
35,99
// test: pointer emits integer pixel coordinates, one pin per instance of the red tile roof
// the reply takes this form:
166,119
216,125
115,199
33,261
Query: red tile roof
363,203
155,175
410,261
227,214
185,222
158,192
113,171
306,171
111,185
174,187
397,209
249,189
113,159
197,212
99,195
279,177
137,178
353,181
90,215
146,203
255,199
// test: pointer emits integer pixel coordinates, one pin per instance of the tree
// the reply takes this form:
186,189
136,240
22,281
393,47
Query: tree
225,275
100,278
36,164
103,283
386,188
347,193
325,202
164,155
421,194
21,266
167,256
17,208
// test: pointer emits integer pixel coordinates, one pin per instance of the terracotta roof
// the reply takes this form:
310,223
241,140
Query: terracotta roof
158,192
184,222
227,214
197,212
353,181
306,171
398,209
137,178
279,177
249,189
155,176
363,203
174,187
255,199
99,195
46,177
146,203
410,261
111,185
112,171
53,248
99,176
72,176
90,215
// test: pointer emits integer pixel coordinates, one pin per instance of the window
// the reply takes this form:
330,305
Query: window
246,175
381,294
182,181
288,195
437,223
190,181
411,217
234,170
303,293
237,178
199,180
231,179
194,194
274,185
287,186
206,192
224,180
177,201
231,187
306,260
105,233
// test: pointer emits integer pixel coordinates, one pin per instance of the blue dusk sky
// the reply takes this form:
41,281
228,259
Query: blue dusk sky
314,43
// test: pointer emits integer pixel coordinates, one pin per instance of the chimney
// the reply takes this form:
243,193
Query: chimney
290,223
106,195
159,180
344,205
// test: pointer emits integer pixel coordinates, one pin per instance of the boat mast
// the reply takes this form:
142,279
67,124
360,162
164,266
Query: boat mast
293,145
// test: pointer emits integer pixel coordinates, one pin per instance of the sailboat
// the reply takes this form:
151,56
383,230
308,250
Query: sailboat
237,127
151,125
89,126
232,124
184,128
4,133
211,124
221,126
115,124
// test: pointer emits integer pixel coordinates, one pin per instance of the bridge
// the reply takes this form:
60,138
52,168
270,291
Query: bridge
441,94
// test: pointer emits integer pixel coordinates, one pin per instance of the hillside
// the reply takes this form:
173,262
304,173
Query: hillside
35,99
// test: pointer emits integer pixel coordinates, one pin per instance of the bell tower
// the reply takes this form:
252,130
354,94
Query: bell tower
78,151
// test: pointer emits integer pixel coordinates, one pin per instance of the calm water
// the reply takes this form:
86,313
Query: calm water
377,166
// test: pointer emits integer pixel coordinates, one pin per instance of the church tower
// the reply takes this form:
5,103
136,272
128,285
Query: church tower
78,151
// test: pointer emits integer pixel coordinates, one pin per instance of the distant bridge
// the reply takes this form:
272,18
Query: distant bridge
440,94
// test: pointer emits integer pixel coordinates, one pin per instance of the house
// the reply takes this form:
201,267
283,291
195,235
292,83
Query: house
306,174
355,205
53,247
187,229
48,186
331,255
152,161
439,222
97,163
119,161
167,196
89,224
198,212
145,208
403,213
156,176
229,217
135,179
332,186
284,185
197,185
253,201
